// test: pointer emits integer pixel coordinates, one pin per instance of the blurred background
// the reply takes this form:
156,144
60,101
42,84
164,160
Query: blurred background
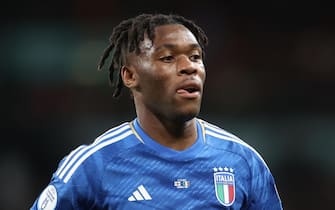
270,80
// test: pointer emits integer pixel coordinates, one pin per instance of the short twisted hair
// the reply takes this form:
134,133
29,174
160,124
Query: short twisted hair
127,36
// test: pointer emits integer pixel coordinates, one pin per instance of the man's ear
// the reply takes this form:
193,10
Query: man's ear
129,76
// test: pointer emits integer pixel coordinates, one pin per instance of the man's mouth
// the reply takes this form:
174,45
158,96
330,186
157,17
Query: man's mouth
190,89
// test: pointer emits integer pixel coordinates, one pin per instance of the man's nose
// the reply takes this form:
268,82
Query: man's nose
186,66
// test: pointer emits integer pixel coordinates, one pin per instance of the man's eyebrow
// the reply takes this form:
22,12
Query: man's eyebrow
173,46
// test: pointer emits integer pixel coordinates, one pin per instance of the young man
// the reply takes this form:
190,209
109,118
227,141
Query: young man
166,158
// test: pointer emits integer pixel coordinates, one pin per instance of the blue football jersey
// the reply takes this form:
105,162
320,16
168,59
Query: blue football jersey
126,169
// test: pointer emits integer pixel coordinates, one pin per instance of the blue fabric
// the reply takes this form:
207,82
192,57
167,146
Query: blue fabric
125,169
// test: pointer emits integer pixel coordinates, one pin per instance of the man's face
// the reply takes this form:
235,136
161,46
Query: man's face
170,73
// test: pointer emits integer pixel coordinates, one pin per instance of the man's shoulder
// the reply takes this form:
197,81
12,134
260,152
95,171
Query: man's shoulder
94,156
219,135
111,141
113,135
219,132
221,139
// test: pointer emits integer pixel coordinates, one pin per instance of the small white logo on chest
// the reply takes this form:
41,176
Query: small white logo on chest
182,183
140,194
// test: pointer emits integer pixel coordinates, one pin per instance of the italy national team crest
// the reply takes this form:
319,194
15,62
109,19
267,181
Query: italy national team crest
224,181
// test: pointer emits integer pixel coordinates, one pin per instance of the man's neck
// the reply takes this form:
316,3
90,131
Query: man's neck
170,133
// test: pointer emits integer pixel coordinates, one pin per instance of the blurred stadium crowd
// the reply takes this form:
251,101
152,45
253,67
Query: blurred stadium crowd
270,80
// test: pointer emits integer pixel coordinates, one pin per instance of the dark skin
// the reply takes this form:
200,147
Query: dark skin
166,80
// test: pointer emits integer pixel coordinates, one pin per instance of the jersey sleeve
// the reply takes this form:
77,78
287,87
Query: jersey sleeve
58,195
264,194
69,189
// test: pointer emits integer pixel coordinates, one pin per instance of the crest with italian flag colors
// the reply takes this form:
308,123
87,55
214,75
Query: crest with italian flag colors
224,181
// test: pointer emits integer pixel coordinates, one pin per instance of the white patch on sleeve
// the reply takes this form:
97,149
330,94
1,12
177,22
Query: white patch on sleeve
48,199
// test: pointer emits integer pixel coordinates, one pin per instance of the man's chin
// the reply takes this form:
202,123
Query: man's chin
187,116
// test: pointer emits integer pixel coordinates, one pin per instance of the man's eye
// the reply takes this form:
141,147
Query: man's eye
195,57
167,58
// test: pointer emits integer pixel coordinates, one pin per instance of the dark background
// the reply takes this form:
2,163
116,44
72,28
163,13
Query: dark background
270,80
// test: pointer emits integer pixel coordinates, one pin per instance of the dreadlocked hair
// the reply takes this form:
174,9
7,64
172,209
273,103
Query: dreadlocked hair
127,36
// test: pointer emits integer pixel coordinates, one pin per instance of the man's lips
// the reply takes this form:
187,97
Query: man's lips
189,89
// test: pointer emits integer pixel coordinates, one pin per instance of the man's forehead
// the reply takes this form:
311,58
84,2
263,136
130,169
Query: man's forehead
169,36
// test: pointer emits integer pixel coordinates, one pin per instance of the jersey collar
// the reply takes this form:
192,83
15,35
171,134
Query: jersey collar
166,152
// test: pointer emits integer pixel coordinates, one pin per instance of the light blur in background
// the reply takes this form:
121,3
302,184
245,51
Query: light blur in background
270,80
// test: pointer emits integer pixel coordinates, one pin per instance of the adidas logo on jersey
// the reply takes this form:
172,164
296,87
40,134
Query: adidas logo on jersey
140,194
